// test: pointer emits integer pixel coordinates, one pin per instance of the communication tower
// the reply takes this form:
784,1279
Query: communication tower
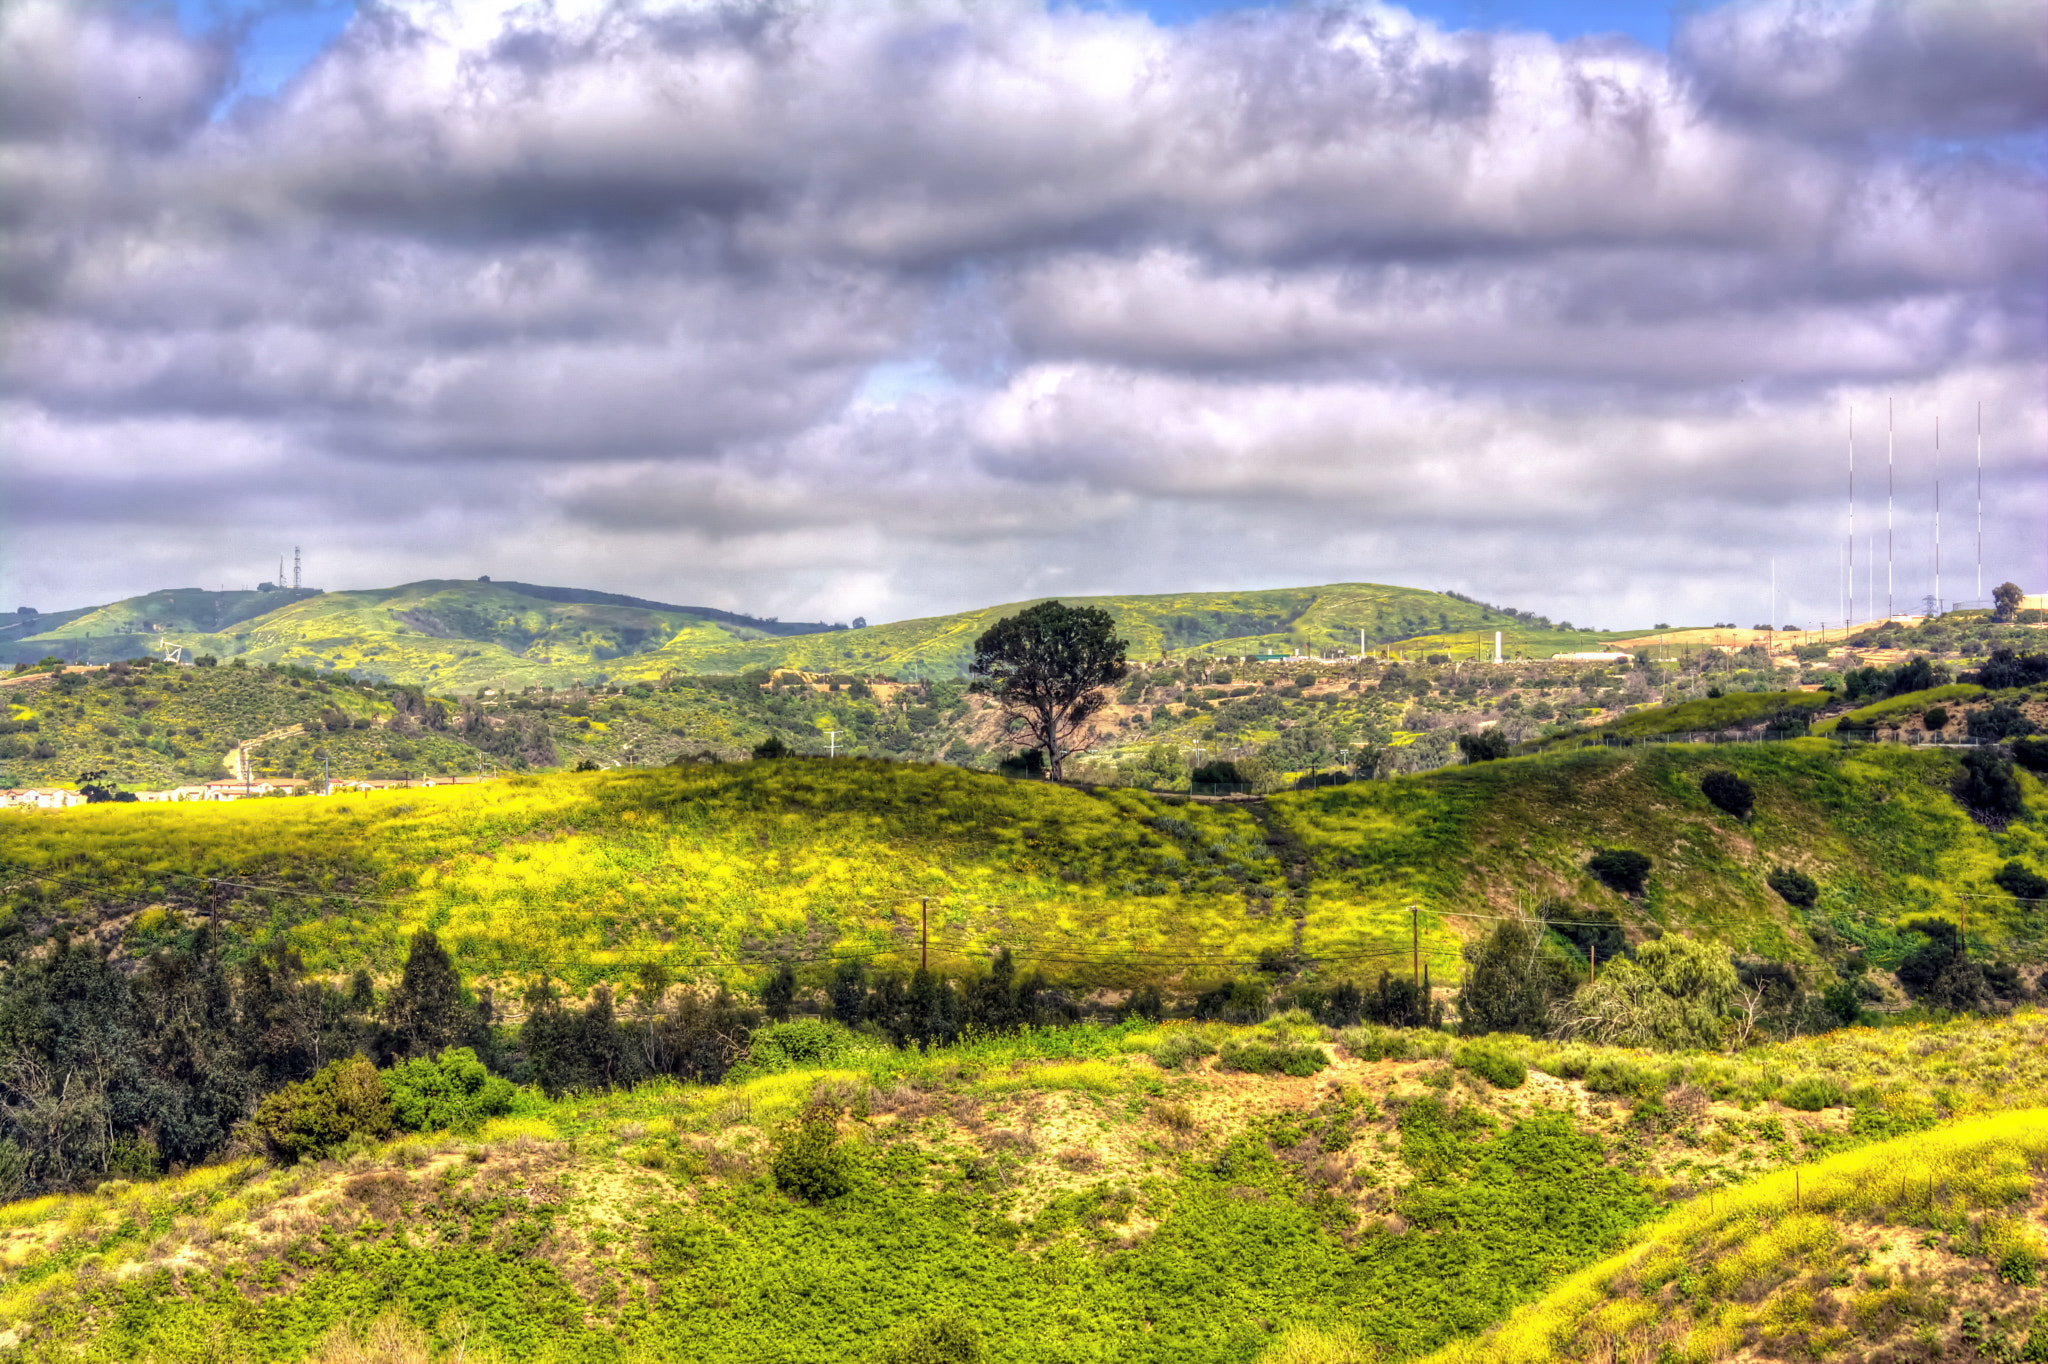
295,568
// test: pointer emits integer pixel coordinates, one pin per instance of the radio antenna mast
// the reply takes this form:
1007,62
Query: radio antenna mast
1850,614
1980,502
295,568
1889,589
1937,513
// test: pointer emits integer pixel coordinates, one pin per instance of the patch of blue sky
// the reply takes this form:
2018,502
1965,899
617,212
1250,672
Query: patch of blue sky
887,385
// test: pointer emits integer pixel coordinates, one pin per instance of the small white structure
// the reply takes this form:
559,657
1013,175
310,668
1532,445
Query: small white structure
39,798
1592,658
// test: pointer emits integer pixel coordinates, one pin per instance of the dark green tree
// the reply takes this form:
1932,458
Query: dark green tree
1048,665
1488,745
1729,792
1794,886
2005,600
1621,869
426,1013
850,993
779,993
1939,972
1510,981
1987,787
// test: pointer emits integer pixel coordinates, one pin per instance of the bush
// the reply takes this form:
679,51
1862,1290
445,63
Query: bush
1273,1058
2031,754
1729,792
1843,1001
345,1101
803,1043
2007,669
2000,720
1621,869
1795,887
452,1091
1987,787
773,747
1181,1050
2021,882
942,1340
1621,1076
1488,745
1935,717
1939,973
1492,1065
809,1161
1812,1093
1222,772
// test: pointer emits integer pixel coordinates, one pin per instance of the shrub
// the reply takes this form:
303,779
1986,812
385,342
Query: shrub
1488,745
1492,1065
1729,792
1796,887
2020,882
2000,720
1843,1001
1222,772
810,1162
1181,1050
800,1044
1935,717
1273,1058
941,1340
1939,973
2031,754
1236,1001
1621,869
1987,787
773,747
345,1101
1619,1075
451,1091
1812,1093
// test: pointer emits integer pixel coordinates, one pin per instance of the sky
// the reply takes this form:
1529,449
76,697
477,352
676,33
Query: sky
824,310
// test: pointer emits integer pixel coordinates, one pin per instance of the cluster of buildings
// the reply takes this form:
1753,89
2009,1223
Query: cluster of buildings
227,788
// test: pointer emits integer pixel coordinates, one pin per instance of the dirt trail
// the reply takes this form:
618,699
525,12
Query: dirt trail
232,759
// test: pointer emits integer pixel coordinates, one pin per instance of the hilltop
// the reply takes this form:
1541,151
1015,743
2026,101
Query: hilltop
448,635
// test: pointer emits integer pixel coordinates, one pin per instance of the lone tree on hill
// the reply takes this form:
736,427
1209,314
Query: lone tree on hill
1047,666
2006,599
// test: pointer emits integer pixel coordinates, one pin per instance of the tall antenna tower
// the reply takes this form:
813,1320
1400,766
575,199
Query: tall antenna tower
295,549
1937,513
1850,615
1888,584
1980,502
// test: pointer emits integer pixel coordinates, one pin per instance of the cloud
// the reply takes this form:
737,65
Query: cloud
822,309
1874,68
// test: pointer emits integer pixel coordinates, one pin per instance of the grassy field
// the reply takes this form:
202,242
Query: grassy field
718,871
1059,1196
1897,707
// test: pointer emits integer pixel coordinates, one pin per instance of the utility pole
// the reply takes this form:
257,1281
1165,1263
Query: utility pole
1592,961
831,743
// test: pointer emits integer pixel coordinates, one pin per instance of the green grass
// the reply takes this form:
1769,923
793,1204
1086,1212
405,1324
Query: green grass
719,871
1066,1200
1895,707
160,727
449,634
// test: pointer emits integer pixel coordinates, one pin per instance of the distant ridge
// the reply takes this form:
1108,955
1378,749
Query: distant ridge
579,596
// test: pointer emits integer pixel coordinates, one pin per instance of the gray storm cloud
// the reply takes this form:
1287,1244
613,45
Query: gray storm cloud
825,309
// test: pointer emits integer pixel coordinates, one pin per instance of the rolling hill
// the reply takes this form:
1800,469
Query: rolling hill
456,635
721,871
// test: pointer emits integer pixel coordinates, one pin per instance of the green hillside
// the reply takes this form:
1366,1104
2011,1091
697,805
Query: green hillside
719,871
1106,1193
452,635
